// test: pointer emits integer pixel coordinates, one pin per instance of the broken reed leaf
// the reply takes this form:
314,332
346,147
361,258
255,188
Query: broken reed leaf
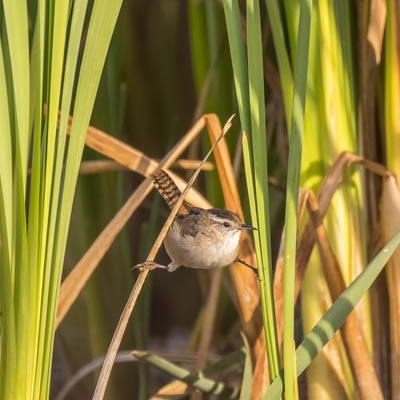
131,158
376,27
305,245
77,278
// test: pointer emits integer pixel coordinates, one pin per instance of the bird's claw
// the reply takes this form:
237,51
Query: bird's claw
146,266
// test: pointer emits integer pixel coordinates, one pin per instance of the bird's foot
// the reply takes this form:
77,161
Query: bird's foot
148,266
255,270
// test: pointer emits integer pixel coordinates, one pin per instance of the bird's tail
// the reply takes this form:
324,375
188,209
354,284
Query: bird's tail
168,190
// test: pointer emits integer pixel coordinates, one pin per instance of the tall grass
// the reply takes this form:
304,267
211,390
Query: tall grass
33,243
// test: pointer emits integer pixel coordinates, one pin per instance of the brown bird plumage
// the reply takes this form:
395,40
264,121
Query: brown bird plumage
168,190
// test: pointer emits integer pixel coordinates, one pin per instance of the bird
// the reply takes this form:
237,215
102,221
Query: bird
198,237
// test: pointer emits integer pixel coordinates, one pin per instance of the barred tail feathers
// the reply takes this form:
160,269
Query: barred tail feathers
168,189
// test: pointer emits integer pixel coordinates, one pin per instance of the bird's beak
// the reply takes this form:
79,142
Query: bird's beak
248,227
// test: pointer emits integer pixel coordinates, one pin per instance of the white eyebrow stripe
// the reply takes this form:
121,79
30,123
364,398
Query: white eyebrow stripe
221,220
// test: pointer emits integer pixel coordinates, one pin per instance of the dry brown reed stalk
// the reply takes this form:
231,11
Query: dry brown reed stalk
390,224
99,166
371,18
232,202
305,245
119,331
353,338
193,164
208,321
244,280
101,142
172,390
246,288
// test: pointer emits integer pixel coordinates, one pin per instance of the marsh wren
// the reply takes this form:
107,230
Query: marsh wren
198,238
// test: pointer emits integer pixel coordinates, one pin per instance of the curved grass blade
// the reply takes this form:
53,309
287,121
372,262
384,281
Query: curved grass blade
196,379
336,315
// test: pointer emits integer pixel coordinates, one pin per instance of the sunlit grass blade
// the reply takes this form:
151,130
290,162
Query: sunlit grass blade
34,237
74,41
16,18
259,171
292,193
8,331
101,26
333,319
17,59
8,337
6,156
56,38
21,284
249,84
240,75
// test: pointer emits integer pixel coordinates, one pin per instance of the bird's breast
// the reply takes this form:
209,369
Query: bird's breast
202,250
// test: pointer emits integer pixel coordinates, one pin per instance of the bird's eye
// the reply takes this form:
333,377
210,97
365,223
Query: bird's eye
227,224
